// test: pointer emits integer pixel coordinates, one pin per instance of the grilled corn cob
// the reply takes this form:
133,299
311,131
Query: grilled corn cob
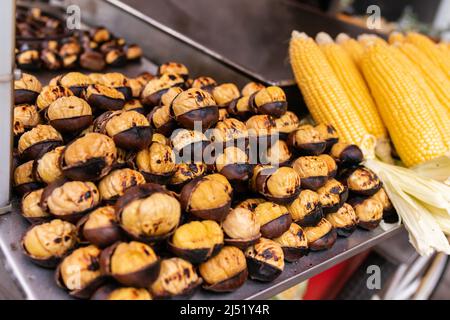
351,46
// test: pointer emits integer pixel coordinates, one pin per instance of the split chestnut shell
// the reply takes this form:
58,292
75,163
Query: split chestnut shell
265,260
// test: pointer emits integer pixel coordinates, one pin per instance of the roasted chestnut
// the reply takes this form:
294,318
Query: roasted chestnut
279,154
250,203
92,60
226,271
389,212
287,123
332,195
344,220
134,105
278,184
133,264
177,280
174,67
46,168
321,236
312,170
117,182
306,210
346,155
195,107
114,292
251,87
69,114
156,163
89,157
273,218
99,227
79,272
69,200
46,243
115,57
133,52
100,34
28,58
51,59
361,180
189,144
103,97
40,139
270,101
26,89
23,178
293,242
368,210
207,197
197,241
30,207
186,172
331,165
26,116
307,141
119,82
265,260
240,107
204,83
328,133
230,132
50,94
169,95
225,93
156,87
161,120
148,212
234,164
75,81
241,227
263,128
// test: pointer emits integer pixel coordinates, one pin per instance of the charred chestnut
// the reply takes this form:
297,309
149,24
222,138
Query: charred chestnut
38,140
114,292
46,168
306,210
250,204
195,106
263,128
225,93
79,272
100,34
51,93
226,271
46,243
161,120
331,165
328,133
133,52
287,123
51,59
307,141
156,163
344,220
28,58
332,195
134,105
251,87
207,197
92,60
156,87
240,107
117,182
362,180
389,213
279,154
241,227
368,210
177,280
119,82
69,114
189,144
230,131
346,155
293,242
27,115
174,67
133,264
26,89
186,172
103,97
233,163
278,184
75,81
89,157
204,83
115,57
30,207
23,178
273,218
148,212
312,170
321,236
270,101
265,260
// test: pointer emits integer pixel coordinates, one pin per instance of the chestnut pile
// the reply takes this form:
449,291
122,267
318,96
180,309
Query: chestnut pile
120,217
44,42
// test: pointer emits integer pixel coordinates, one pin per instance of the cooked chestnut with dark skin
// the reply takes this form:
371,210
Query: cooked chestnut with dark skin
389,213
234,164
26,89
195,106
344,220
156,163
368,210
92,60
115,57
174,67
306,210
262,127
133,264
40,139
119,82
197,241
79,272
69,114
270,101
362,181
23,178
251,87
346,155
114,292
134,105
229,130
133,52
189,144
28,58
103,97
207,197
204,83
27,115
156,87
186,172
273,218
30,207
46,168
312,170
89,157
293,242
70,200
225,93
331,165
241,227
279,154
240,107
328,133
51,59
265,260
100,34
321,236
46,243
307,141
75,81
177,280
117,182
332,195
226,271
278,184
50,94
148,212
251,203
287,123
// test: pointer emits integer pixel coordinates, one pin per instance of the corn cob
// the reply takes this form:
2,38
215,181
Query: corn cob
323,93
357,91
402,106
428,47
445,48
436,79
396,37
369,39
351,46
